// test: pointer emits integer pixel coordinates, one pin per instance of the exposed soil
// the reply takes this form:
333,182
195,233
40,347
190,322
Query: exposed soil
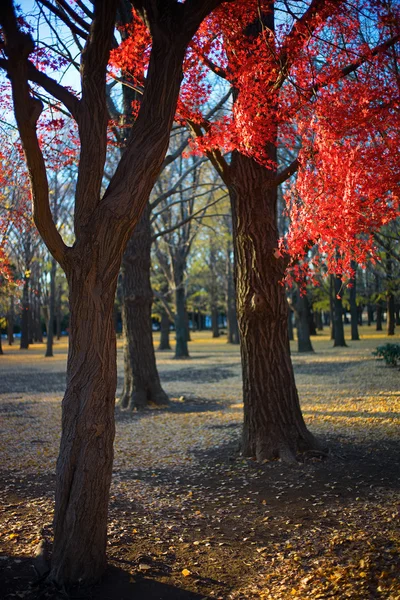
189,517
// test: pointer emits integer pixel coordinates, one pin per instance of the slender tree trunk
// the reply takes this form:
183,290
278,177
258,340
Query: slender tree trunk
370,314
24,344
52,304
58,316
231,317
353,306
318,320
273,423
188,338
164,332
360,310
84,464
38,315
332,305
338,313
142,385
214,322
1,344
290,324
10,322
181,348
397,313
391,322
379,315
302,308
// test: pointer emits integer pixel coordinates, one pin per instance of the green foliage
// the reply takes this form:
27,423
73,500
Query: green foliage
390,354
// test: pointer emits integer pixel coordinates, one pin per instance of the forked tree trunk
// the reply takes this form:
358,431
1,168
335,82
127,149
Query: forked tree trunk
24,344
164,332
338,314
52,306
142,385
84,464
353,307
273,423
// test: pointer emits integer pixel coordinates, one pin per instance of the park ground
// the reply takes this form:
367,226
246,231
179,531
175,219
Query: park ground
190,519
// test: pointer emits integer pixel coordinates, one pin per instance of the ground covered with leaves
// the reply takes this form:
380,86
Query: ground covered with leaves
189,517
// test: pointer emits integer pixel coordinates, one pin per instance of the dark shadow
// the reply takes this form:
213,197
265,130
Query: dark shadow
215,374
323,368
361,414
190,404
19,580
18,382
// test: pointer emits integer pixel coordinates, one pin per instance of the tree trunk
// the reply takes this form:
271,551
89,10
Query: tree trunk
24,344
353,306
58,317
370,314
302,308
379,315
290,324
397,313
181,347
10,322
318,320
214,322
273,423
332,306
52,304
84,464
231,317
164,332
38,315
1,345
338,313
391,322
142,385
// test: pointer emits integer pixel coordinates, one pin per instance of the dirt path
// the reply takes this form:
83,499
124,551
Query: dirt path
183,500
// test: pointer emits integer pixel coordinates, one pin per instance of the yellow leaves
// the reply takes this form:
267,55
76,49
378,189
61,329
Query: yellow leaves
186,572
12,536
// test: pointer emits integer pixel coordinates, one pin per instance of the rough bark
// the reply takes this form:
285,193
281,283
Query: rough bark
84,464
353,307
338,313
301,306
24,343
164,332
273,423
52,305
142,385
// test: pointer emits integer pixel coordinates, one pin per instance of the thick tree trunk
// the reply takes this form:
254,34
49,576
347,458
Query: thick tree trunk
84,464
52,305
338,313
273,423
181,347
24,344
302,308
10,322
164,332
353,307
142,385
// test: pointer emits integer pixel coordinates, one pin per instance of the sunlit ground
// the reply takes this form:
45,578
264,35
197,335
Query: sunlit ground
348,398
